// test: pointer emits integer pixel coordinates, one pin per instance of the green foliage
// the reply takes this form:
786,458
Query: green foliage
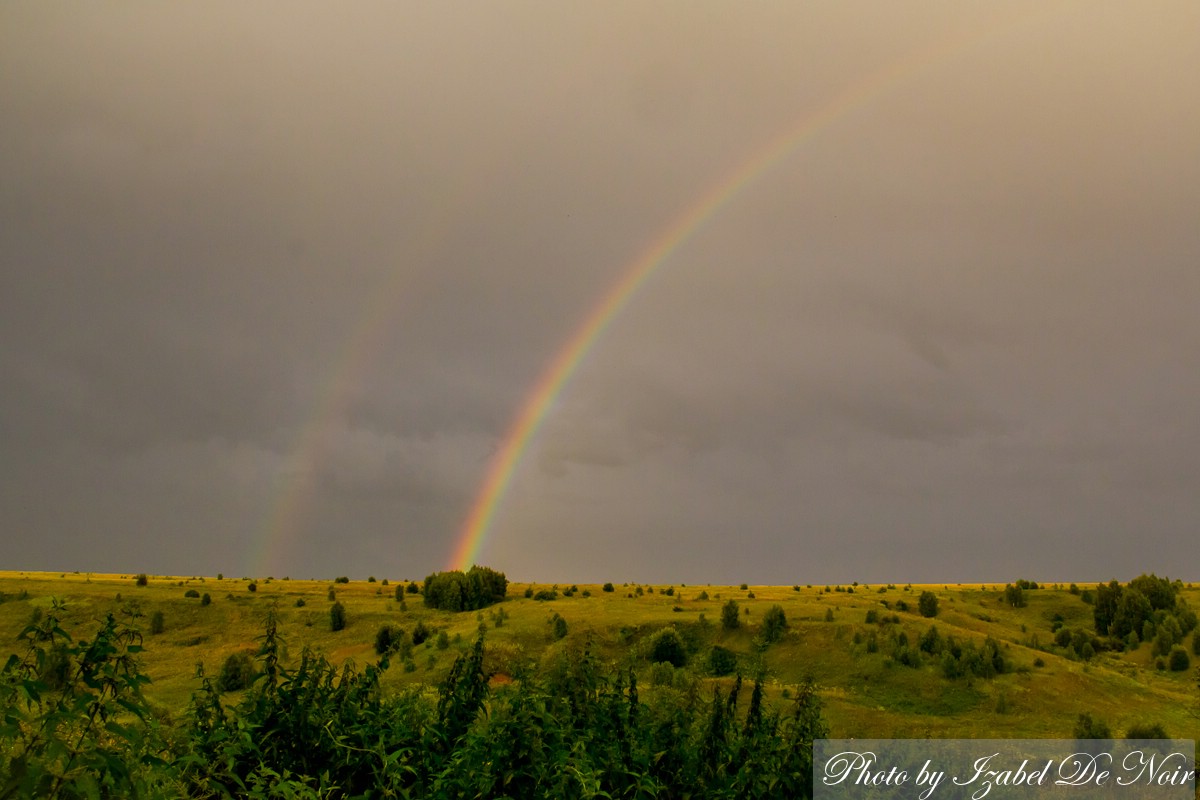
455,591
1178,660
341,579
668,647
157,623
558,627
337,617
412,588
252,586
730,616
205,599
386,638
1014,596
608,587
774,624
721,661
1146,730
237,673
191,593
1089,727
420,633
141,579
545,595
927,604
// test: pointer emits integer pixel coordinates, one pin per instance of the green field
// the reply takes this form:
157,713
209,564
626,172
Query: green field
865,694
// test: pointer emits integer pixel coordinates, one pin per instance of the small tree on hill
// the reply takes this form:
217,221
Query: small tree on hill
237,672
730,618
337,617
668,647
774,624
141,579
608,587
158,623
927,604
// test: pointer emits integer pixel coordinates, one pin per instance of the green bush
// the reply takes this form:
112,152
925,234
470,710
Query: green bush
477,588
558,627
721,661
1178,660
420,633
774,624
141,579
386,638
927,604
1089,727
158,623
730,615
341,579
205,599
1146,730
237,673
337,617
608,587
191,593
668,647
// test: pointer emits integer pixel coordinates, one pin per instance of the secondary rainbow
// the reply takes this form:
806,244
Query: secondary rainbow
558,372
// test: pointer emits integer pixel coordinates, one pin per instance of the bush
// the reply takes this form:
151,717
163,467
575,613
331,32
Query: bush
443,640
205,599
141,579
300,602
774,624
337,617
371,579
1146,730
545,595
386,638
722,661
558,627
608,587
158,623
1178,660
927,604
237,672
1089,727
730,618
668,647
341,579
253,587
191,593
421,633
412,588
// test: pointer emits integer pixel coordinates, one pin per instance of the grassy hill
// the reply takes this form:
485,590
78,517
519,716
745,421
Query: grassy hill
867,691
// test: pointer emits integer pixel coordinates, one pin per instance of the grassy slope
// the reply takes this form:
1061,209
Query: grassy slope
865,694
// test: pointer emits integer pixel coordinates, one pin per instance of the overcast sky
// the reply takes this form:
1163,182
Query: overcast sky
275,279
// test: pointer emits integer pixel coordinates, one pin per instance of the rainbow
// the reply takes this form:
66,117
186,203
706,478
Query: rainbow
555,376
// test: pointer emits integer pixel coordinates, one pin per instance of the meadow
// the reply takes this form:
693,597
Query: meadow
989,670
865,694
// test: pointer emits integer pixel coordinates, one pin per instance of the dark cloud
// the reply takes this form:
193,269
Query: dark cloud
287,277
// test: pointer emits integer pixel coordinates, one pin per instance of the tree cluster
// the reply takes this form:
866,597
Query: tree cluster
458,591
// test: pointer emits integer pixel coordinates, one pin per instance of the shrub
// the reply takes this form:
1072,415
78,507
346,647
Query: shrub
668,647
157,623
545,595
443,640
412,588
743,587
205,599
927,604
300,602
341,579
337,617
872,617
730,618
237,672
141,579
558,627
1089,727
191,593
386,638
774,624
421,633
371,579
253,587
829,615
608,587
721,661
1146,730
1178,660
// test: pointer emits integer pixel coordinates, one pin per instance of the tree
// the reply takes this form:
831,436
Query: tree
558,627
337,617
1107,597
458,591
722,661
668,647
774,624
927,604
237,672
730,618
205,599
386,638
1178,660
1014,596
1089,727
141,579
608,587
157,623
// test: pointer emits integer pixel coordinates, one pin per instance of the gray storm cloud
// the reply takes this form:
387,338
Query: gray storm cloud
950,336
